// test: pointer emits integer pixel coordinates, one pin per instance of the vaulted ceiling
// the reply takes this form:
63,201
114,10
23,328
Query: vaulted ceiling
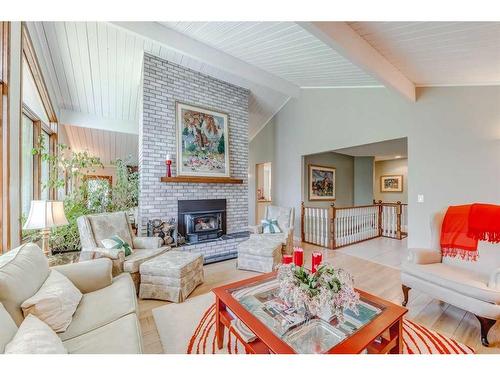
438,53
93,69
282,48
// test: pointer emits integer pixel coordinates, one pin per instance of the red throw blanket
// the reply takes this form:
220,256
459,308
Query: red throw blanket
463,226
484,222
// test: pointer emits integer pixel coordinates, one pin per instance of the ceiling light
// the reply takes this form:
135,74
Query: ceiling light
397,157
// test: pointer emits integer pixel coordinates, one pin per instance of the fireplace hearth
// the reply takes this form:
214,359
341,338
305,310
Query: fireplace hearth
201,220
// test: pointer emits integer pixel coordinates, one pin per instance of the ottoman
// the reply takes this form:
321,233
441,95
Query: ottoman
171,276
259,253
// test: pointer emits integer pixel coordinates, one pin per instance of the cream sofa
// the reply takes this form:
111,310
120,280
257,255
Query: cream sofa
471,286
95,228
106,318
285,217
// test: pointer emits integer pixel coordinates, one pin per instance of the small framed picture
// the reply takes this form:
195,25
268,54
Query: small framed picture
321,183
391,184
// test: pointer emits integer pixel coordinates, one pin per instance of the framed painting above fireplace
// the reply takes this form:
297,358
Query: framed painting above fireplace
202,141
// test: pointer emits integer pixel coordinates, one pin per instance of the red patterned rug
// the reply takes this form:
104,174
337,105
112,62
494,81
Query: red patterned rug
416,339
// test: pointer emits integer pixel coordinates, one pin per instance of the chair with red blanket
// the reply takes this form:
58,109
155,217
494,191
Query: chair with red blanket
460,268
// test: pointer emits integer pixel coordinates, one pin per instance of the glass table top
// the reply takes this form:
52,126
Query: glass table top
316,335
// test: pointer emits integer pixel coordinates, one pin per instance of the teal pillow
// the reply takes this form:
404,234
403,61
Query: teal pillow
116,242
270,226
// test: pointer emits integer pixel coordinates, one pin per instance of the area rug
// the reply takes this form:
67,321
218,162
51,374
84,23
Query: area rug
189,328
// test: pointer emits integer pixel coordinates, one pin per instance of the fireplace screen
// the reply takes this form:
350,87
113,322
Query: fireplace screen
203,226
204,223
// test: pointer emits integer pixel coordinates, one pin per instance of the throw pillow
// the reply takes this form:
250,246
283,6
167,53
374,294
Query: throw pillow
270,226
35,337
116,242
55,302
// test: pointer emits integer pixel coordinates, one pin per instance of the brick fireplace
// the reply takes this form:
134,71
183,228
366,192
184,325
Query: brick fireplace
165,83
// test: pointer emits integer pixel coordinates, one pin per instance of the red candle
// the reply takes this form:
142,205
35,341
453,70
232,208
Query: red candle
298,256
287,259
316,261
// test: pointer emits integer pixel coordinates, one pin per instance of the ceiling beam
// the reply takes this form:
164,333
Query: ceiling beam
343,39
86,120
185,45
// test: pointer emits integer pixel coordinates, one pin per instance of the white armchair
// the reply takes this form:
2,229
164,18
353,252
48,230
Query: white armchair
286,218
471,286
95,228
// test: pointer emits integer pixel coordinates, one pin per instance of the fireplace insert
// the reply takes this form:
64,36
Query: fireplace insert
202,219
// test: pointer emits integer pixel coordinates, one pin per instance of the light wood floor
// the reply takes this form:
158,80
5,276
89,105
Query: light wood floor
372,277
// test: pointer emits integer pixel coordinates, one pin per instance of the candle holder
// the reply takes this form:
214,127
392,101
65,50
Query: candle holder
168,162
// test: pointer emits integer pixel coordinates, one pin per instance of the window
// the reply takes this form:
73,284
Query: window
44,166
98,191
27,164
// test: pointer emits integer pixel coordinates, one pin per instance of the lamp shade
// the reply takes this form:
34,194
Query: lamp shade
45,214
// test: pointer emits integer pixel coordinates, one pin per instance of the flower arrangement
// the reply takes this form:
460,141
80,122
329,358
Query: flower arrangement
325,293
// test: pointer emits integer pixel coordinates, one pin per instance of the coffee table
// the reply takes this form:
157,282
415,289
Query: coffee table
376,330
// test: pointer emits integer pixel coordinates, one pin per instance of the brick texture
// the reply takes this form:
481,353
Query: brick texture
165,83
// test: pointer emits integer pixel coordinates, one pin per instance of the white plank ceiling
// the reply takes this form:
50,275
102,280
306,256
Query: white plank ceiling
282,48
96,68
438,53
107,145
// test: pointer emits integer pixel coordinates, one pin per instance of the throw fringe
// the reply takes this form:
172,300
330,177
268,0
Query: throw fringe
493,237
470,256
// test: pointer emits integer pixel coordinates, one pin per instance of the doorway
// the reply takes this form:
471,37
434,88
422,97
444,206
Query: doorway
263,187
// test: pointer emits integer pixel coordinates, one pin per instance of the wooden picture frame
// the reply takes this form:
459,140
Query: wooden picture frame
202,141
321,183
391,183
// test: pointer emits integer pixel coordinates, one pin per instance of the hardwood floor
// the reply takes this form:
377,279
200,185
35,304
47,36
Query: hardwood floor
373,277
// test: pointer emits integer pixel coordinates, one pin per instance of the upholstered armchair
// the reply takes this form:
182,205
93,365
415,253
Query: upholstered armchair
286,218
95,228
471,286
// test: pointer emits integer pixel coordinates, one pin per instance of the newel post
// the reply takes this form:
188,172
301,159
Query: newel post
332,214
399,210
302,213
380,207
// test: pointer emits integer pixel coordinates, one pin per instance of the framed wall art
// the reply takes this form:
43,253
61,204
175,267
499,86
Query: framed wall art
391,184
202,141
321,183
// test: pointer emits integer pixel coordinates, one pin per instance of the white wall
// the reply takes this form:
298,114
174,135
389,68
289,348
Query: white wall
344,178
261,150
391,167
453,142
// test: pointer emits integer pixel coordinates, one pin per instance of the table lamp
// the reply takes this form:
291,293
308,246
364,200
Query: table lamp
45,215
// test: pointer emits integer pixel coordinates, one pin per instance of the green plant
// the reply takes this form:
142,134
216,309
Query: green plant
125,192
67,170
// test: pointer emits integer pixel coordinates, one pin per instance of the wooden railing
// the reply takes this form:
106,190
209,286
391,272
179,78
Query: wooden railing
335,227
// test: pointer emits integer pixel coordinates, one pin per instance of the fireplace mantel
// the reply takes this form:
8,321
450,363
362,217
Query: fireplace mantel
203,180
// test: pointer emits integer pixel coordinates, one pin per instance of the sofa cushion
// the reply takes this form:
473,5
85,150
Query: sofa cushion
8,328
139,256
23,270
103,306
109,224
55,302
464,281
35,337
122,336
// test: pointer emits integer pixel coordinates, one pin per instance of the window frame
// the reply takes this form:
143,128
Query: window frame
5,237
